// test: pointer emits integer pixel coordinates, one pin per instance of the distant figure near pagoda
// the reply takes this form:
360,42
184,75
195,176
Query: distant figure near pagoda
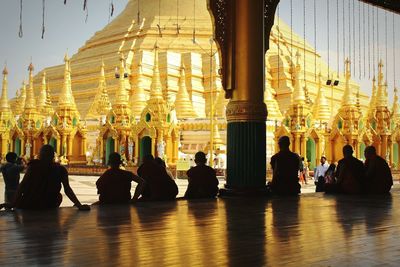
285,166
378,179
203,182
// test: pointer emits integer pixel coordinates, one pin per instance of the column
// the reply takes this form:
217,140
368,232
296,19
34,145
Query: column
384,144
84,144
246,112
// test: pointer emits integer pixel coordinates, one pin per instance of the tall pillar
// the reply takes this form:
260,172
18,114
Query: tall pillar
384,144
243,65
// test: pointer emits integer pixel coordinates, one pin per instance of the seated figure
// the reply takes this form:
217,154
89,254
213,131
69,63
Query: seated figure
159,185
203,182
41,185
378,179
114,185
285,166
11,175
349,174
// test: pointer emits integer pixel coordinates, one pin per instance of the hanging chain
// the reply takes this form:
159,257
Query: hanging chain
159,18
291,28
394,55
177,17
304,37
354,39
43,13
386,41
279,49
194,21
85,8
369,42
373,40
315,40
329,56
337,39
350,43
20,32
65,2
344,34
359,40
138,11
363,19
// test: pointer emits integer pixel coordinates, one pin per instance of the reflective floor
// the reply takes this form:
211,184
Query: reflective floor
311,230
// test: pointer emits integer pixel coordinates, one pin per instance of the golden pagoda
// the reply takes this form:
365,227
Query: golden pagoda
6,117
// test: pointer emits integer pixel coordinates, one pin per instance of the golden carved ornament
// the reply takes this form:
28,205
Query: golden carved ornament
246,111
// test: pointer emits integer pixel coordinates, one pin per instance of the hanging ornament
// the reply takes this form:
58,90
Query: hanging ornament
20,32
84,5
194,21
112,8
65,2
43,12
394,54
177,17
337,40
315,40
363,19
85,8
138,11
328,22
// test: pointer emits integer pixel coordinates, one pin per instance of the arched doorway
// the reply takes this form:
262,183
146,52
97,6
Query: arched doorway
109,148
145,147
17,146
362,149
311,153
396,155
53,143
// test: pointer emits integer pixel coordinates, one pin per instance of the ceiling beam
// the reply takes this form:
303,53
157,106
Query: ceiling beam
390,5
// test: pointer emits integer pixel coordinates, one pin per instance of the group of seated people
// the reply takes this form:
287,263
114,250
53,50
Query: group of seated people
41,185
351,176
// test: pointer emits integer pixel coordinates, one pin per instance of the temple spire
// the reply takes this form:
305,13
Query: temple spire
43,92
138,96
66,99
298,91
156,86
381,94
122,97
321,109
101,104
4,105
396,108
348,96
30,96
274,112
183,104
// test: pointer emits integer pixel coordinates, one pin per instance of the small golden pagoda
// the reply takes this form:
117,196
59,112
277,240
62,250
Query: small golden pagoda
72,134
157,132
6,117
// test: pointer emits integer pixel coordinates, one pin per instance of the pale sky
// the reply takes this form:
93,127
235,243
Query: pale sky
66,30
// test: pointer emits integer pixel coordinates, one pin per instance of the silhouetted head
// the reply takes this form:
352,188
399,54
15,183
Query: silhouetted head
284,142
148,158
114,160
200,158
160,162
323,160
46,154
370,152
332,167
347,151
11,157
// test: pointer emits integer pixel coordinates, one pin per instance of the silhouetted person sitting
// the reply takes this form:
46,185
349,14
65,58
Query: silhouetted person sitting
161,163
378,178
41,185
203,182
349,174
285,166
11,171
114,185
159,185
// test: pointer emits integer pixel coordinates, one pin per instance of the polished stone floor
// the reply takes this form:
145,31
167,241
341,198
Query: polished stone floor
310,230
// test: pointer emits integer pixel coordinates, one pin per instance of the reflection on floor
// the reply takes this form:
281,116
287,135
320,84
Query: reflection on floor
310,230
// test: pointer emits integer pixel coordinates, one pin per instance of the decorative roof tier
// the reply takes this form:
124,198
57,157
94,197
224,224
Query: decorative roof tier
321,109
183,104
101,104
138,96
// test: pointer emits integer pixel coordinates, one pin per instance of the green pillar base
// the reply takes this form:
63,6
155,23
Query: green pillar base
246,156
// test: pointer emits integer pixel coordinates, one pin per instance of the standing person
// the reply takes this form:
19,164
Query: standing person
285,166
203,182
378,178
41,185
350,173
11,175
159,185
114,185
319,175
330,174
302,171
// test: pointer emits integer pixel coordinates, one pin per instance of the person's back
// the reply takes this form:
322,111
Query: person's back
114,186
350,173
159,185
378,179
203,182
285,165
11,174
41,186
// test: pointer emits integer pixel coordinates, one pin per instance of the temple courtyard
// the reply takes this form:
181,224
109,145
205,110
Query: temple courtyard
311,230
